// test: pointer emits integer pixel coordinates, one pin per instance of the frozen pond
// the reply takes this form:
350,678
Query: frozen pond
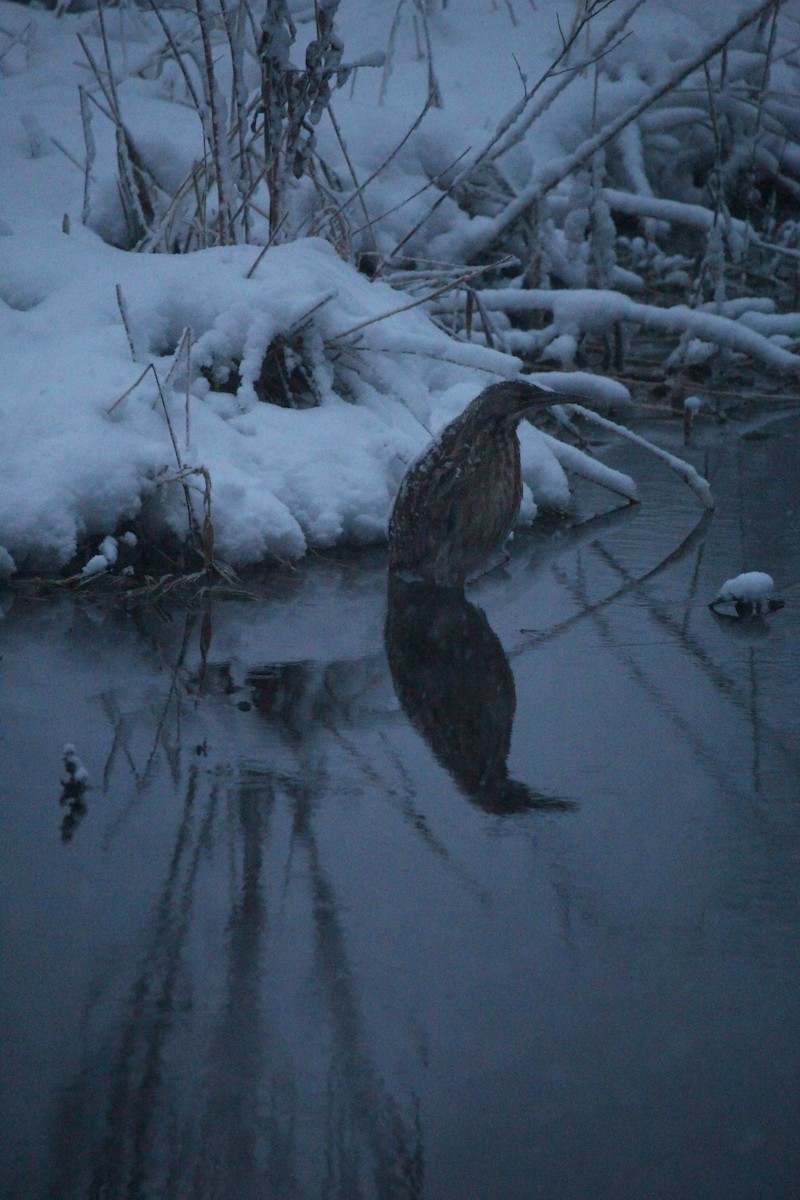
530,934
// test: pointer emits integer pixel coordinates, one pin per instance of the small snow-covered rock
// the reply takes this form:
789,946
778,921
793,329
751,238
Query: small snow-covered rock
752,585
751,592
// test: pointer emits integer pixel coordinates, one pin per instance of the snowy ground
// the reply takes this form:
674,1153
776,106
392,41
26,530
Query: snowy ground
84,453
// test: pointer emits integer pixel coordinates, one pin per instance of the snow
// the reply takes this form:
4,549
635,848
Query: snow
77,775
752,587
83,460
101,424
597,310
96,564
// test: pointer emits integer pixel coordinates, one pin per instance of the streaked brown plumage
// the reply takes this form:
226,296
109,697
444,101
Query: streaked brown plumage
457,504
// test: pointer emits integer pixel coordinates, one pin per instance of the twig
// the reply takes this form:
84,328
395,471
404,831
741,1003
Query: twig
176,54
270,242
447,287
128,391
401,204
188,336
123,312
67,154
16,39
91,150
556,171
359,188
215,132
686,471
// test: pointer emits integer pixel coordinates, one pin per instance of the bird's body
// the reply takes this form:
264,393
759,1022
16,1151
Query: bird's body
457,504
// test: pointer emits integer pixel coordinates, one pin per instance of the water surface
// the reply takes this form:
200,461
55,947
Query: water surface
491,899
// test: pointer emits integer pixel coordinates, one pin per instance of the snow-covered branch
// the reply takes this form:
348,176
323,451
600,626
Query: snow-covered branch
554,172
576,312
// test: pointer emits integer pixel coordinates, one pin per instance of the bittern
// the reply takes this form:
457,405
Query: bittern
458,502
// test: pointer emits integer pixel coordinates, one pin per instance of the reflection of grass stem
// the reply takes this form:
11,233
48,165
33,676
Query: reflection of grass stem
372,1111
402,801
535,637
137,1075
143,779
679,636
701,749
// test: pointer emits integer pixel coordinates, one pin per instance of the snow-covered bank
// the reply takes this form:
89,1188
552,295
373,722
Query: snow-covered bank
281,376
75,462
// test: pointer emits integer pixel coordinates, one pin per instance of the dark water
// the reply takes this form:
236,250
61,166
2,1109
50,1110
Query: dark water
530,933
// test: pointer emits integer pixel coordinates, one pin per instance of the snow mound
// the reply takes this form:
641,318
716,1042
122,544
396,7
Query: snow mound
753,587
98,442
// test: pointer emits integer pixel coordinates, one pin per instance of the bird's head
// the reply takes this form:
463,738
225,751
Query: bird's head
510,400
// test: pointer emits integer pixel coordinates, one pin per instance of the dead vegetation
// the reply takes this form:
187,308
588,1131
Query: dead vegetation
600,261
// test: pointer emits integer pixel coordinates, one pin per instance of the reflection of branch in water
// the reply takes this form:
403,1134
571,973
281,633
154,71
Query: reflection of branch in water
725,684
703,753
452,678
535,637
143,1120
118,722
693,589
280,692
73,790
532,548
118,1151
755,723
301,697
403,801
225,1143
360,1105
72,818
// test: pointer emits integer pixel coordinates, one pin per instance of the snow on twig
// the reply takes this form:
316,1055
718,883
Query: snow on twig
557,170
592,311
686,471
447,287
583,465
693,216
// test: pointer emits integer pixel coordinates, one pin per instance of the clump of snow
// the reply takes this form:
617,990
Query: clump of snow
73,765
752,587
96,564
108,548
76,778
106,556
750,594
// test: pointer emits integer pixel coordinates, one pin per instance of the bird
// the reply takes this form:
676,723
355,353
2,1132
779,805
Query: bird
458,502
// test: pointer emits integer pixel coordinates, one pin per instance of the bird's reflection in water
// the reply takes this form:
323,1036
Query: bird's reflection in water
454,682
